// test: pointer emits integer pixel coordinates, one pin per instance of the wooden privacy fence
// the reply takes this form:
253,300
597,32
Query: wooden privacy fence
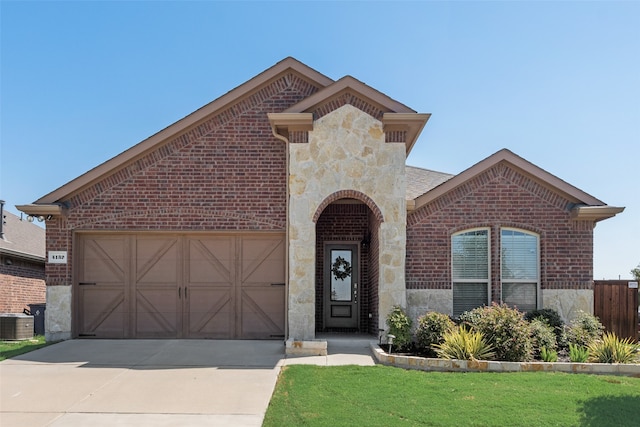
616,304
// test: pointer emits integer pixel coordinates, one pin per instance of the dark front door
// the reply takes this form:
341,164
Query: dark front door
341,286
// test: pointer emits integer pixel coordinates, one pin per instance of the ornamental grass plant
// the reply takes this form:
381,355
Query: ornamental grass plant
463,344
611,349
578,353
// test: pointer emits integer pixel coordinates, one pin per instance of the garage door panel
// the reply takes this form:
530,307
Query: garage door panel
211,260
157,310
211,313
157,261
104,260
262,291
156,313
102,277
104,314
263,312
263,260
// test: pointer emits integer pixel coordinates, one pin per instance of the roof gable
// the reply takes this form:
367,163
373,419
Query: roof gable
351,85
184,125
396,117
528,169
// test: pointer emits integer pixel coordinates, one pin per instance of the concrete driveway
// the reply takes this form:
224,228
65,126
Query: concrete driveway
151,382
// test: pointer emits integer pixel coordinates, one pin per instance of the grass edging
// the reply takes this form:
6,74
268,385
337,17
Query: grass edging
9,349
453,365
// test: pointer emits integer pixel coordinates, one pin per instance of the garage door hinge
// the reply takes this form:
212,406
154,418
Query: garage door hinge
277,284
86,335
276,336
87,283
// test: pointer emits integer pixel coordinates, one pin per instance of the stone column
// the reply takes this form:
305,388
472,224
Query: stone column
347,154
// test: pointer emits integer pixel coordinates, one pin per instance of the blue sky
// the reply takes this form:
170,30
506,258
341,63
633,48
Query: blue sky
558,83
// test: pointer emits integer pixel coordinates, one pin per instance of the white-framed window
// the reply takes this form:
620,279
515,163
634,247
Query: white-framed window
470,269
520,268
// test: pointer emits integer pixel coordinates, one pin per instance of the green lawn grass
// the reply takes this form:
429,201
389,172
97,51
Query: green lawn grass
9,349
387,396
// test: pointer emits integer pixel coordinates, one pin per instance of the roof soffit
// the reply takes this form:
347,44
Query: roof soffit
523,166
288,65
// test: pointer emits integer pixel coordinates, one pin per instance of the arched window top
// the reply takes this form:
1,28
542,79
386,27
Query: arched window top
519,232
475,231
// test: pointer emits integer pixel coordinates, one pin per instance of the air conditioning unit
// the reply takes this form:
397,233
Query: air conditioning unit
16,326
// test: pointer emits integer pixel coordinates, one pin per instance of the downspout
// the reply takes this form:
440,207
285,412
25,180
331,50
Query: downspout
286,252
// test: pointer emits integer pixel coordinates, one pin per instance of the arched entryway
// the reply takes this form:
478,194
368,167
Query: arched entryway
346,274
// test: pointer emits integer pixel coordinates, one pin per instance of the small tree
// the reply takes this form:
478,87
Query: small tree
636,273
400,327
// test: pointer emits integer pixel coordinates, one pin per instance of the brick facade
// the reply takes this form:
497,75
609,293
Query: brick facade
500,197
228,173
231,167
347,223
21,284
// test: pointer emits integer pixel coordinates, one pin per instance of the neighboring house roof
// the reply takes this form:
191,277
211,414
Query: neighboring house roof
585,206
22,238
420,181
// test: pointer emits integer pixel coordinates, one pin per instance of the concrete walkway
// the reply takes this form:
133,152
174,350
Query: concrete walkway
153,382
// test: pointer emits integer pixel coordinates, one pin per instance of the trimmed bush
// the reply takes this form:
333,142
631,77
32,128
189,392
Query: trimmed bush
584,329
542,337
505,330
430,331
553,319
399,326
463,344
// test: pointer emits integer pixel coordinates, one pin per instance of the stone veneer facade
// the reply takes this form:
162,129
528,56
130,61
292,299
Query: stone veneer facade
346,157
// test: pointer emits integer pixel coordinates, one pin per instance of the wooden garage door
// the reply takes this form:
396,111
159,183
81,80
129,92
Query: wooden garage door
180,286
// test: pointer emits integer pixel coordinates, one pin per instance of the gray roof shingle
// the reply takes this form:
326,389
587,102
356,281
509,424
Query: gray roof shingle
420,181
22,238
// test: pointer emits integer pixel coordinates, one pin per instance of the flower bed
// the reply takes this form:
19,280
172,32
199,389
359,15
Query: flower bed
452,365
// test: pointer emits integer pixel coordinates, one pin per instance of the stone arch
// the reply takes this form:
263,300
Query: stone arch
349,194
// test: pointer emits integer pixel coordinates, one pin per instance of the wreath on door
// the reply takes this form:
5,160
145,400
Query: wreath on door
341,268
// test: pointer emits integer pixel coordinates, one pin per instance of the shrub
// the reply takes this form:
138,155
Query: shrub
430,331
577,353
463,344
548,355
542,336
505,330
584,329
470,317
553,319
611,349
399,326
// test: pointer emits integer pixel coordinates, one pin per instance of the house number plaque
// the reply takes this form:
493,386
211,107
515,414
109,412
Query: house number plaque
57,257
